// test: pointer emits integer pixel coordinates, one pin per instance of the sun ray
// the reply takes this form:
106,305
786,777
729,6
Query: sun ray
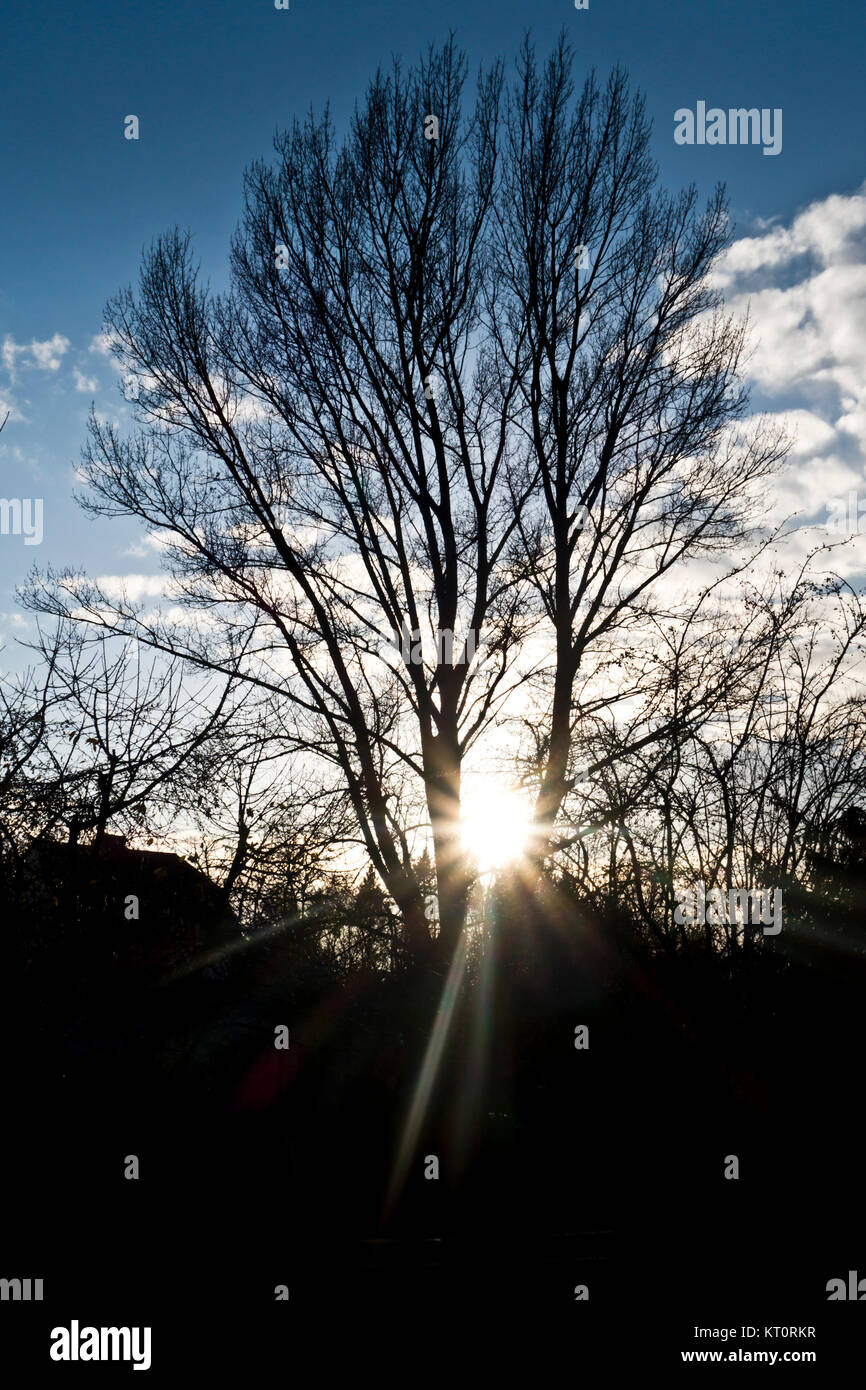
427,1075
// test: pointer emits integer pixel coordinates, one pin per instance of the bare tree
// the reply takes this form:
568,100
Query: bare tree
97,735
27,702
392,422
765,757
264,835
630,387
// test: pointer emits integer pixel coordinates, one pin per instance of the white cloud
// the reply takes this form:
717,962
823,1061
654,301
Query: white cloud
811,334
810,434
160,540
46,355
102,343
804,288
20,621
185,617
795,491
829,232
108,420
85,383
9,351
133,586
8,407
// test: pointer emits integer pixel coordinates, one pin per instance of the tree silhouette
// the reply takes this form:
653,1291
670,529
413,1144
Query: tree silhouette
415,412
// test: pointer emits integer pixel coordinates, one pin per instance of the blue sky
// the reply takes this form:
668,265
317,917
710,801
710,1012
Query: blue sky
211,81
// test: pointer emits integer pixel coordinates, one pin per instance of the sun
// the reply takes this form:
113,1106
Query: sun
494,825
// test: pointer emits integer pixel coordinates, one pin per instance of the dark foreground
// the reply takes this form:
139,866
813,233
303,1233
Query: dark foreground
559,1167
